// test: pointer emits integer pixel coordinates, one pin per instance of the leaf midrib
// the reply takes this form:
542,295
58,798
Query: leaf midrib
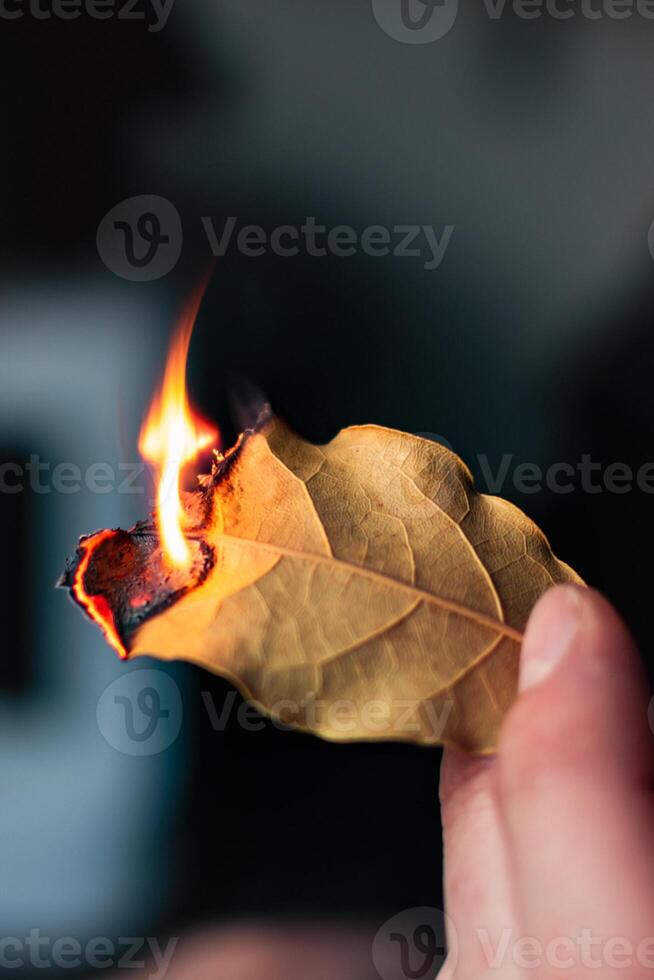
498,626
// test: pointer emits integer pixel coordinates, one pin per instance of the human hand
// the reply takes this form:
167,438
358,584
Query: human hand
549,845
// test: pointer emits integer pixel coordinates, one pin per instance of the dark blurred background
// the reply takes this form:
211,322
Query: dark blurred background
534,139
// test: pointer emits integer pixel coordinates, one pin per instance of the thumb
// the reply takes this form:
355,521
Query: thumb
574,770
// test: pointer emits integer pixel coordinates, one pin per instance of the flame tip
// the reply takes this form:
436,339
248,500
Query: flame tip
171,437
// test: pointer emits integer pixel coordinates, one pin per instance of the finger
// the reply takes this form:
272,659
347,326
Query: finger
574,771
477,887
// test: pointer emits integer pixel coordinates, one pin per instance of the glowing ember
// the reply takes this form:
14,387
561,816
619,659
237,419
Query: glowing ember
96,605
171,438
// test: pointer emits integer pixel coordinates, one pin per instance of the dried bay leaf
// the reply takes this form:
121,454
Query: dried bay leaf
359,590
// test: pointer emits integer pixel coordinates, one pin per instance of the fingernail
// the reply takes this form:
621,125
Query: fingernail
550,633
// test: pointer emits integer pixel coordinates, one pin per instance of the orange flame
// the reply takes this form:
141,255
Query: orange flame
172,436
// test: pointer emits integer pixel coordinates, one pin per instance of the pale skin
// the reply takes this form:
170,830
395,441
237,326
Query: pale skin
553,838
549,845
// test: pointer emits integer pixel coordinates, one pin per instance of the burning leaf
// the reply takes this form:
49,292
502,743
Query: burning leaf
358,590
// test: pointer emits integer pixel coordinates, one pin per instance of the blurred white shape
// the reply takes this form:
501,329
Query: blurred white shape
79,821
